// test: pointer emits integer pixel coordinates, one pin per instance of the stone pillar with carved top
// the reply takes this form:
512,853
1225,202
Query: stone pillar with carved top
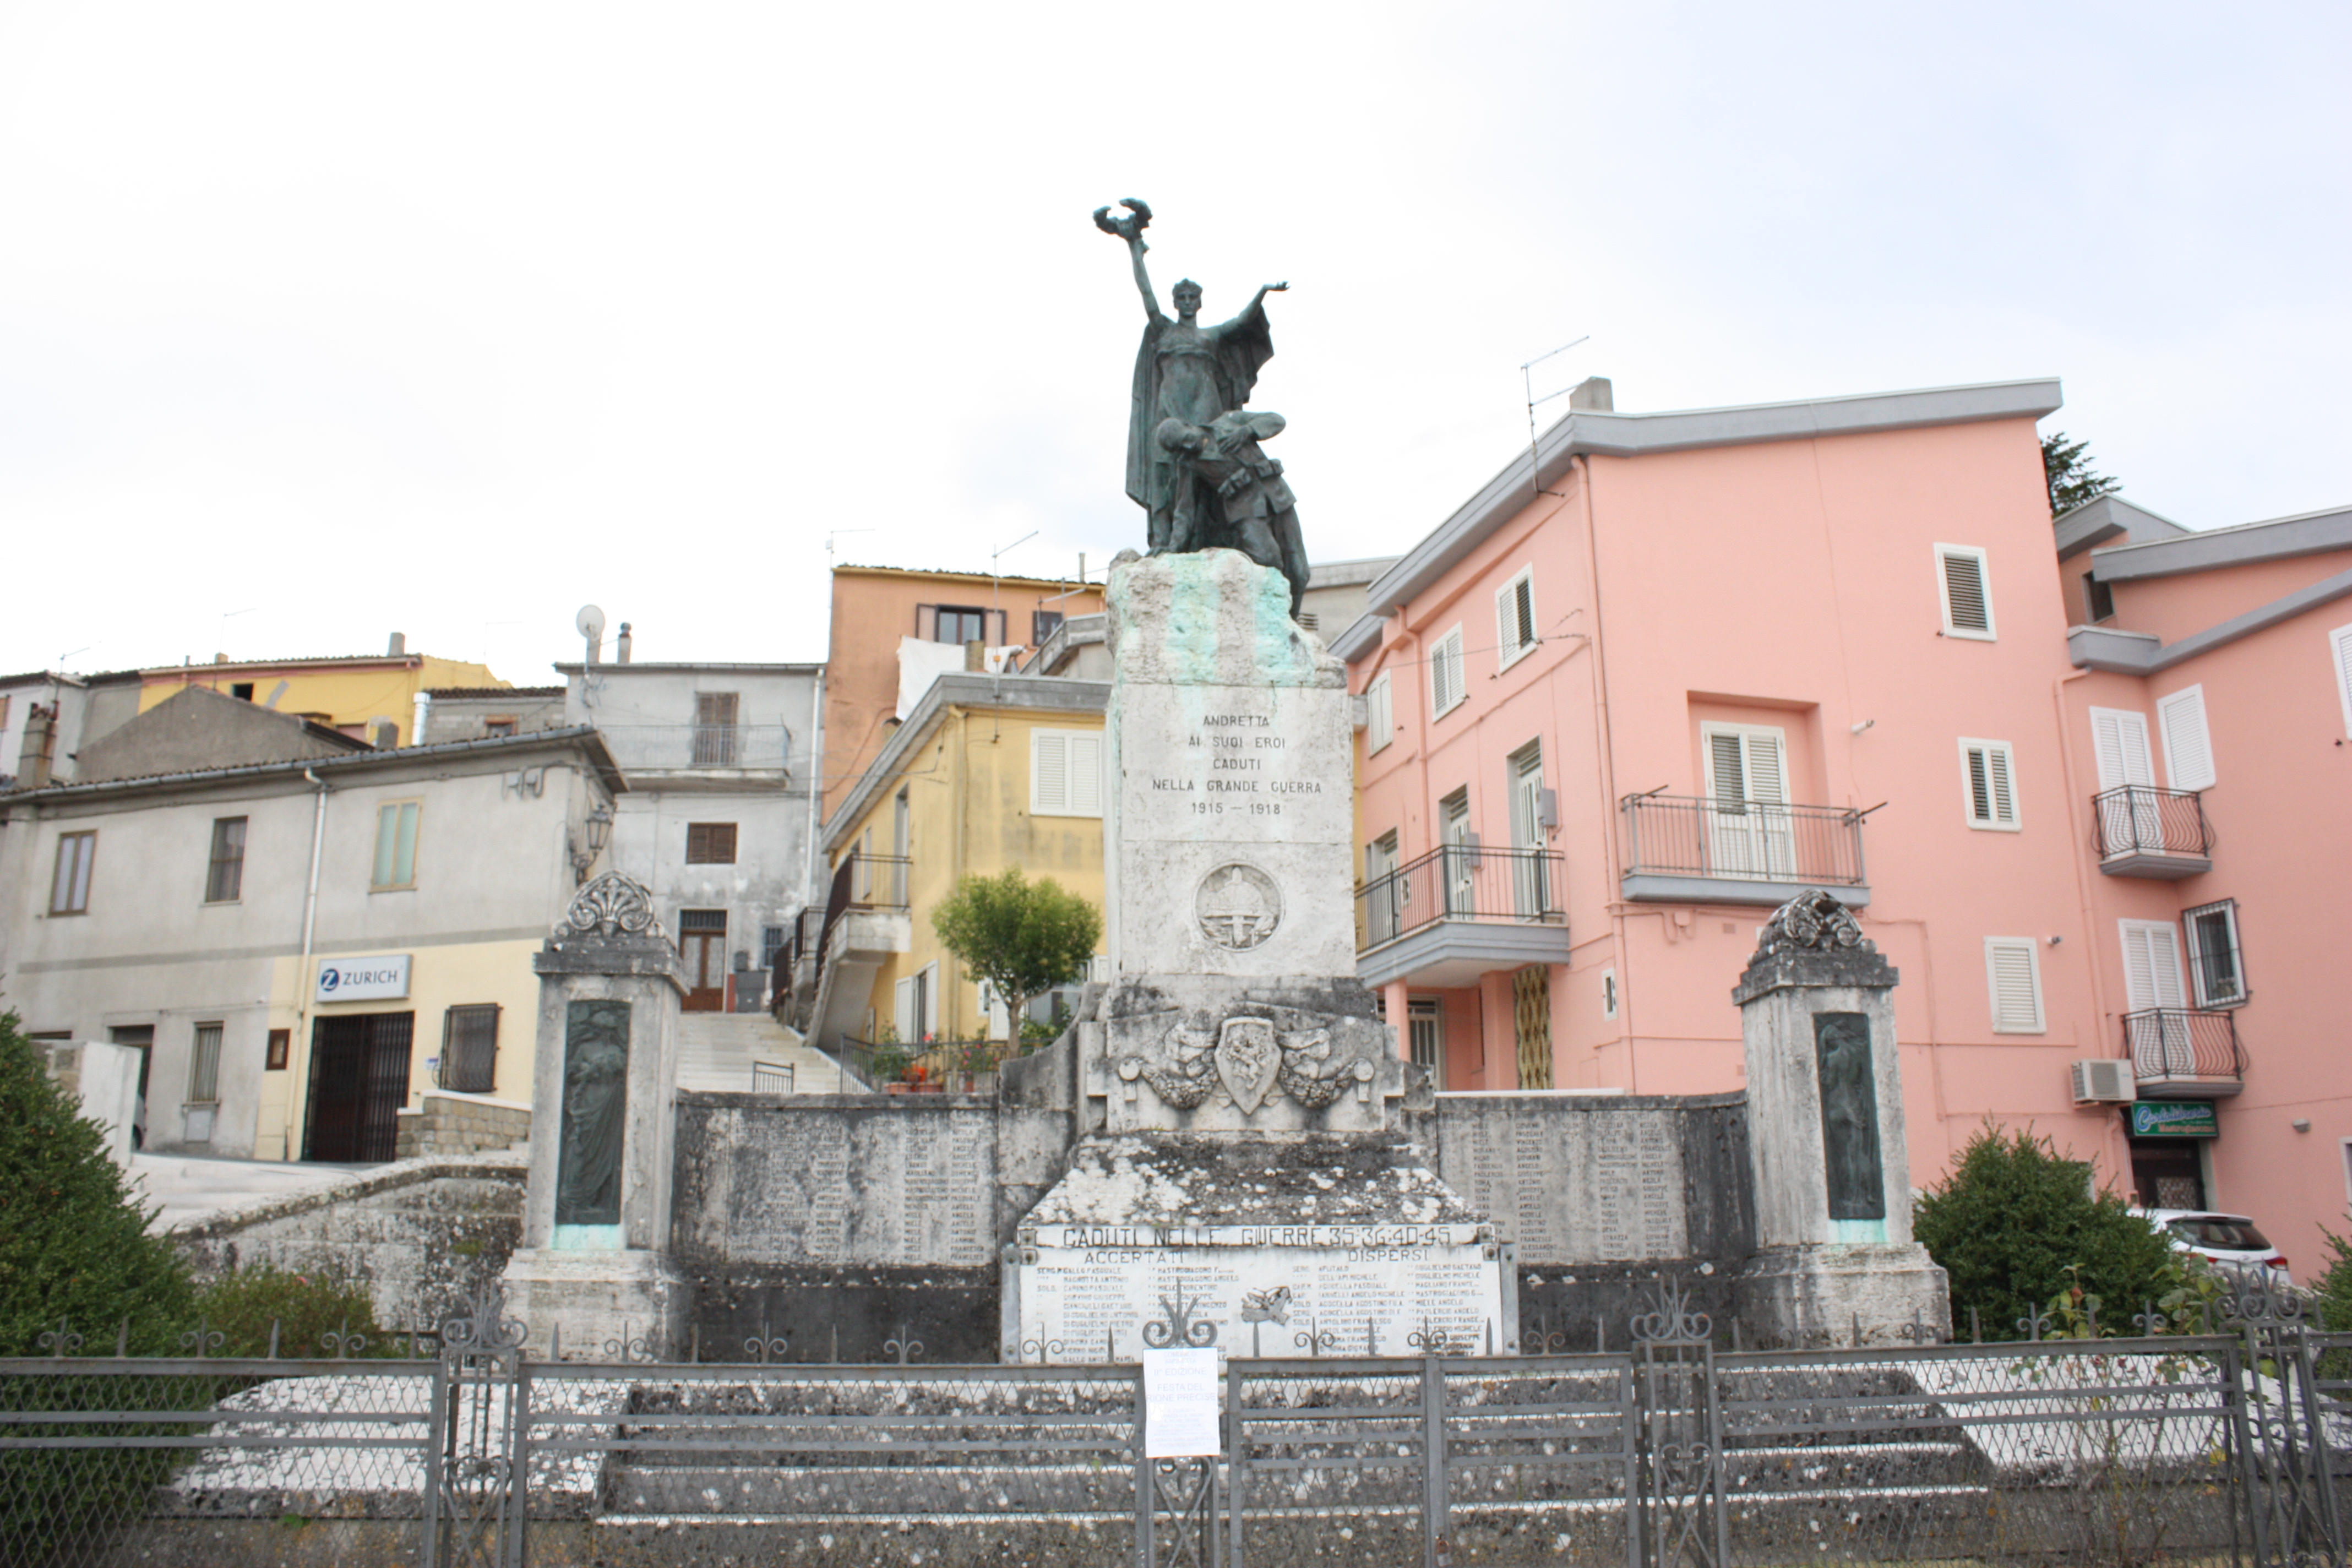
594,1276
1835,1262
1252,1174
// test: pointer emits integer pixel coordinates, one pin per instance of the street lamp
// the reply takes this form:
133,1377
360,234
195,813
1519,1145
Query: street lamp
600,833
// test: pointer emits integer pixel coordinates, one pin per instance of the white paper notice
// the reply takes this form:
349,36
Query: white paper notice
1180,1404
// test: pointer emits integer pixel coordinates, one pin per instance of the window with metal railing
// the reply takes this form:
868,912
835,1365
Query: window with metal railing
469,1049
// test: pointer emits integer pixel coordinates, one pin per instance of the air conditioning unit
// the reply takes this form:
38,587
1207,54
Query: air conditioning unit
2105,1080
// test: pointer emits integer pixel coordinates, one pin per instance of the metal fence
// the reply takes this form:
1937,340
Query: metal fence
1519,887
762,747
2140,819
1747,840
2167,1044
1674,1452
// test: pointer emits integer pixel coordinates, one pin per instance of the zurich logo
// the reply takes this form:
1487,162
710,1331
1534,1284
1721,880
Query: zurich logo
330,978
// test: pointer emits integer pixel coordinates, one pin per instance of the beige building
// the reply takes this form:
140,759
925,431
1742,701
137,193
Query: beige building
301,946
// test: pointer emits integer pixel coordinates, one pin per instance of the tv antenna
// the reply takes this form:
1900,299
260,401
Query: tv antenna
838,534
1528,383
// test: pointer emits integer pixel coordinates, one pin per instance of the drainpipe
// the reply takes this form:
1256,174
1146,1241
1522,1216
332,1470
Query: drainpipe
1606,735
303,976
2117,1140
815,789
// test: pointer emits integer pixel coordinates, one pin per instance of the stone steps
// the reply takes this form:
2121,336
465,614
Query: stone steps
716,1050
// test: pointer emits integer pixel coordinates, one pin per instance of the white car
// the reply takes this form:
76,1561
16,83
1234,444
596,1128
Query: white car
2225,1240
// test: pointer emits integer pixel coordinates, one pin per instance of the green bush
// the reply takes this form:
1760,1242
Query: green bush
74,1243
75,1250
2015,1226
313,1313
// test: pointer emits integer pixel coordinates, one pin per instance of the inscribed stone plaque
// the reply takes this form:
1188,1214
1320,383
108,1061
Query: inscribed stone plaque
1570,1183
1086,1294
595,1112
1858,1185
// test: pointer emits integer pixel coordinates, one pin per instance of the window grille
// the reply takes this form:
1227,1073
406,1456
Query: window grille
1531,1015
469,1049
2215,967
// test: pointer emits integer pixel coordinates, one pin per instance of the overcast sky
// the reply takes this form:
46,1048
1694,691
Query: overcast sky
318,321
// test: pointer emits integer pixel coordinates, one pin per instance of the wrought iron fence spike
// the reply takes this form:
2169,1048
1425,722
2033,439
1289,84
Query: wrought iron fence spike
273,1339
1975,1329
694,1344
123,1339
555,1345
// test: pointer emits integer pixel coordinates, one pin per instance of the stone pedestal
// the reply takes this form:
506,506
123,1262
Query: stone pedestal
1248,1174
1835,1262
595,1260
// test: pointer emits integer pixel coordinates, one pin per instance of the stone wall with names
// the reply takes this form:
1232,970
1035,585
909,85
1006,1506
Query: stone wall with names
836,1183
1585,1179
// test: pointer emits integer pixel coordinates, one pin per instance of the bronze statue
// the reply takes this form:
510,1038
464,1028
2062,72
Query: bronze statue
595,1106
1204,484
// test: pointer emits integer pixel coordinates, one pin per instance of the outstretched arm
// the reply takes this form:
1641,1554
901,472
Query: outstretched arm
1259,298
1143,278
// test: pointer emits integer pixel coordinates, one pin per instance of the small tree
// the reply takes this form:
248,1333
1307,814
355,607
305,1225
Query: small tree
73,1242
1023,937
2014,1224
2066,467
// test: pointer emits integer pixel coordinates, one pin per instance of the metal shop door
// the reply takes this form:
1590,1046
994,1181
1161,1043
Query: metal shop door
358,1081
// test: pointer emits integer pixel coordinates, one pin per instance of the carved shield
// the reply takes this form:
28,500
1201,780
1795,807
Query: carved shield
1248,1060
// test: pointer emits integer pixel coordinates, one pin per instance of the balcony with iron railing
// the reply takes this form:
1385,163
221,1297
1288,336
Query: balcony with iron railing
1455,913
2185,1052
1721,851
2159,834
699,748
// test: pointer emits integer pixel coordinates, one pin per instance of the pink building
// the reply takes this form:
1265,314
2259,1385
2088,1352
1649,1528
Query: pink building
1669,669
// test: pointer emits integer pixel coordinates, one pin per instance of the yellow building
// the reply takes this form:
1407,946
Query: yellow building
984,773
361,696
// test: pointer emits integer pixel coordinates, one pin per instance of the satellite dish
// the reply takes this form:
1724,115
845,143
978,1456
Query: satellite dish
591,622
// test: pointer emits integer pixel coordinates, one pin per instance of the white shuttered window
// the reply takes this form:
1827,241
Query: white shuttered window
2152,975
2119,738
1380,714
2188,747
1987,776
1514,619
1966,590
2013,970
1747,784
2339,655
1446,687
1066,773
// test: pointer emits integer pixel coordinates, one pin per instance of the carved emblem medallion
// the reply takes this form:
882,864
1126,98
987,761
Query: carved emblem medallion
1237,906
1248,1061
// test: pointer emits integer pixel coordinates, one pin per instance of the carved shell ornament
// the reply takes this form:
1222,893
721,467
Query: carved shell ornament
612,905
1812,921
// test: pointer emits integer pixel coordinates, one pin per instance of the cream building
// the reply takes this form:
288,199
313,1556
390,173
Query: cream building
301,947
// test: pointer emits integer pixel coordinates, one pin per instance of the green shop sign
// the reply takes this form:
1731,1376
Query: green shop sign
2175,1118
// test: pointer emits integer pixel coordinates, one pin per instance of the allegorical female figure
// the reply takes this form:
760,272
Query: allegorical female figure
1188,373
596,1098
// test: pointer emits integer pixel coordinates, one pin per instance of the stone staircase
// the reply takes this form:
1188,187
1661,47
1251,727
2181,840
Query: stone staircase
716,1050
